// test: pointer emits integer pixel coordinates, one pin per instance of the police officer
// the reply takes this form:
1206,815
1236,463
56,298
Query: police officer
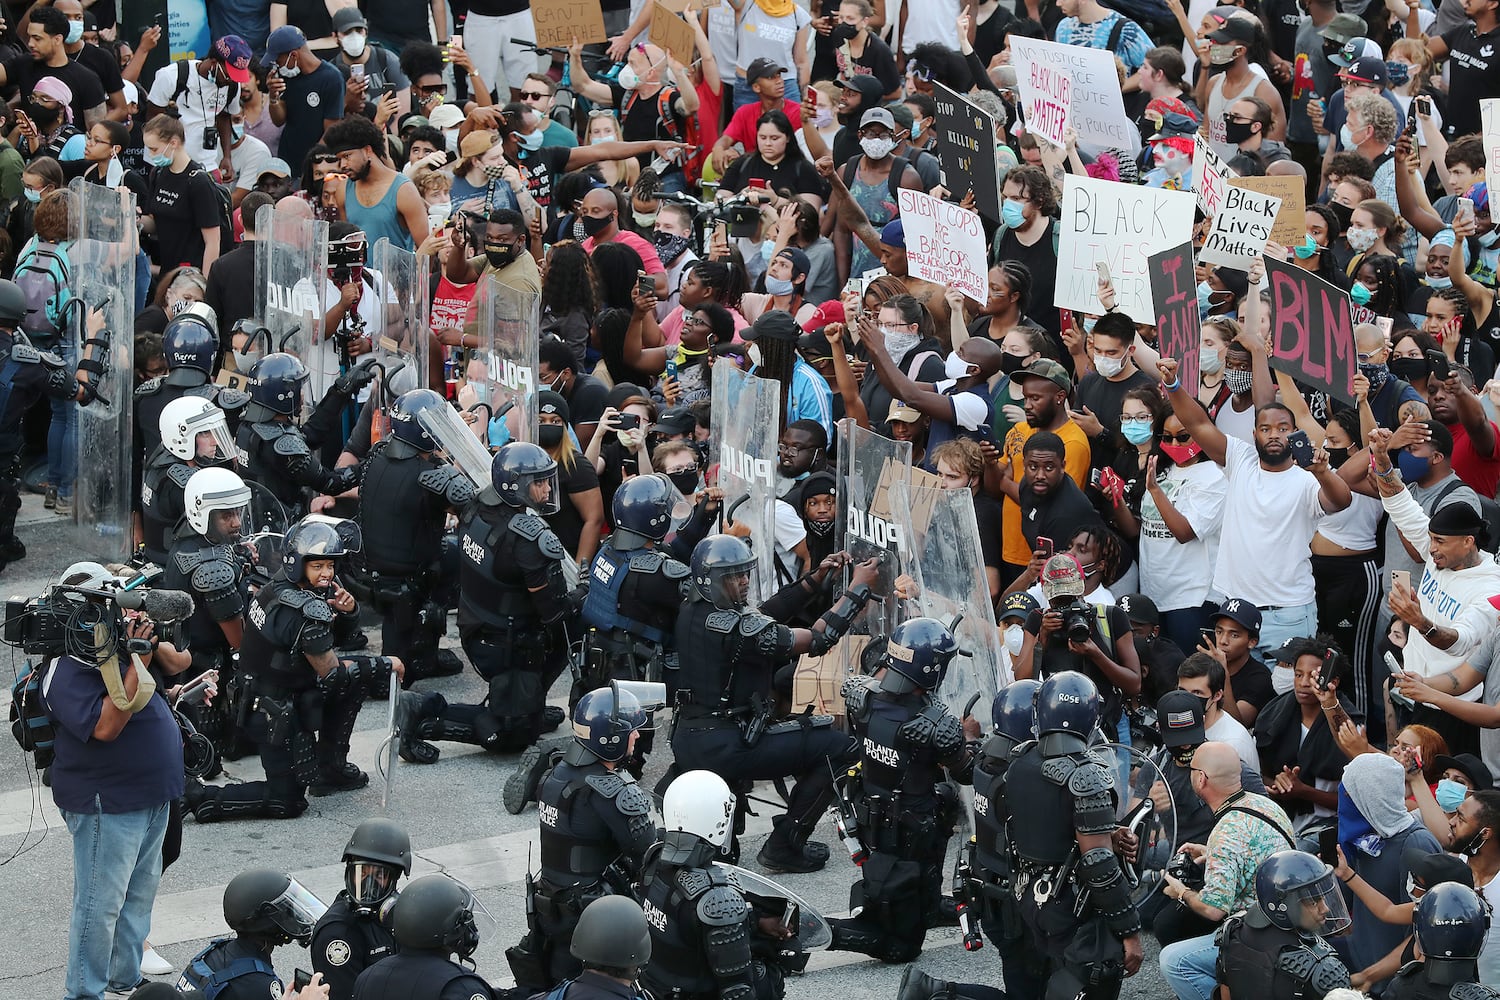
729,654
1451,924
596,826
355,934
433,920
905,803
701,925
265,909
613,941
301,685
279,453
26,375
512,606
1276,948
404,500
194,435
190,347
205,562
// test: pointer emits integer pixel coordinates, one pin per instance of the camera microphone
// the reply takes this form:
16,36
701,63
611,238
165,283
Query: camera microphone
159,605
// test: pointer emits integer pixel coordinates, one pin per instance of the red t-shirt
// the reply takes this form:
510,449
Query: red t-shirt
1474,469
742,126
636,243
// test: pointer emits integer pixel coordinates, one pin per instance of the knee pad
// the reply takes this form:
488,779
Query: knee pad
516,694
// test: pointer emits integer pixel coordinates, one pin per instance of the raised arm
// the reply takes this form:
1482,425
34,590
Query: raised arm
1196,419
585,85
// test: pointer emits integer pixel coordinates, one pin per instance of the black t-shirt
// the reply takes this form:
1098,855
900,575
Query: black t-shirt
88,91
1474,72
398,20
103,65
991,539
183,204
791,174
567,523
1057,515
1041,259
309,99
587,400
1056,657
541,168
846,144
231,288
1103,398
1253,684
878,61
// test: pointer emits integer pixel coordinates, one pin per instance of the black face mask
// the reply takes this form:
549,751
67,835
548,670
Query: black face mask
1337,456
550,435
1237,132
1408,369
44,117
1342,212
820,528
686,482
594,225
1184,755
500,254
842,33
1470,845
1011,363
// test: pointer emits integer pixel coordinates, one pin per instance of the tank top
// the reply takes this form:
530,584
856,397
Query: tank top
875,199
1218,103
380,220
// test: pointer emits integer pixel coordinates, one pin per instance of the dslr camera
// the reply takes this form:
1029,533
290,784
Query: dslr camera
1186,870
1078,620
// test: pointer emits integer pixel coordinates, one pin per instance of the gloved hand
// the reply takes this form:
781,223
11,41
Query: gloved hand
354,379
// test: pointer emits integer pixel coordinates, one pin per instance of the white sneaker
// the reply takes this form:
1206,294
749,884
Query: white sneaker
153,964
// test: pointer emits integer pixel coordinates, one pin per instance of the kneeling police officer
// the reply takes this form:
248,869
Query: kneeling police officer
265,909
1276,947
433,920
355,932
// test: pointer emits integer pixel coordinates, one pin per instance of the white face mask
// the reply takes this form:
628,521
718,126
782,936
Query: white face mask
1107,366
287,72
876,149
629,78
353,44
1209,361
754,354
1014,636
955,367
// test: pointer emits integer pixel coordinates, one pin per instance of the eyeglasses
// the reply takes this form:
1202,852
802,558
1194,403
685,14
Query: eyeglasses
918,70
1183,438
96,139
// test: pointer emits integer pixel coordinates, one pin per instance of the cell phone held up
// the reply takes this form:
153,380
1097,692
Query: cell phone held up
1439,363
1326,671
1301,447
644,285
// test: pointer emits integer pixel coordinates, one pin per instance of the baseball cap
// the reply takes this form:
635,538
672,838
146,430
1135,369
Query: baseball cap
763,67
1140,609
1062,577
1367,69
1478,773
1175,126
1179,715
878,116
1239,610
831,311
1050,370
893,234
801,263
133,96
287,38
900,411
347,19
1435,868
234,52
1344,27
675,421
446,116
1018,605
813,346
776,324
1234,29
275,166
866,86
1355,48
1287,652
476,143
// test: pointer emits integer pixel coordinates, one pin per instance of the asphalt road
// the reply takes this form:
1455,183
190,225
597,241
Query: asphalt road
452,810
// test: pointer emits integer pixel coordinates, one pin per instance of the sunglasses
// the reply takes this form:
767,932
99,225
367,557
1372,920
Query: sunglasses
326,159
1177,438
527,95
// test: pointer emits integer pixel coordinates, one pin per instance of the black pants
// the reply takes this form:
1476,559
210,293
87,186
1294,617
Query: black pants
411,622
1348,596
899,892
10,494
520,663
805,753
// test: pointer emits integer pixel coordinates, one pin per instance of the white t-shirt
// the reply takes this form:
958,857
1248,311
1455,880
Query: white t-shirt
932,21
200,103
1227,730
249,158
324,359
1175,574
1237,424
1489,958
790,531
1270,518
1354,526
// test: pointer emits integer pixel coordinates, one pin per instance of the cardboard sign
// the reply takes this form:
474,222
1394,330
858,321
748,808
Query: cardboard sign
1312,330
1241,229
1489,117
966,148
945,244
558,22
672,33
1211,176
1121,225
1291,224
1175,291
1096,110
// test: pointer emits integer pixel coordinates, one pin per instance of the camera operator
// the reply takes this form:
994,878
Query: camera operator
118,768
1093,639
1248,828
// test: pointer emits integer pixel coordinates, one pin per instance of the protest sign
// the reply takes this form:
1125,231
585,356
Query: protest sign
1241,229
558,22
1174,288
1096,110
1290,225
1489,117
672,33
1211,176
966,148
1121,225
944,244
1312,330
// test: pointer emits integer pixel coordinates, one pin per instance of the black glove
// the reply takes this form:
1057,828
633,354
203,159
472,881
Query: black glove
354,379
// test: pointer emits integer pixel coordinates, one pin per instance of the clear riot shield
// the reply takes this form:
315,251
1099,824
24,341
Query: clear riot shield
402,342
501,373
874,476
948,566
1155,830
458,443
102,281
292,292
743,445
812,929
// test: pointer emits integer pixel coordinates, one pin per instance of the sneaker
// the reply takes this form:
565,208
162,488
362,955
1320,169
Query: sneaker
343,777
51,498
124,991
64,507
552,717
521,786
153,964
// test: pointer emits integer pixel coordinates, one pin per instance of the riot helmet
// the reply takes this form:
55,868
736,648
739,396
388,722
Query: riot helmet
612,932
184,420
1299,893
722,568
1451,923
316,537
217,505
917,656
255,335
190,345
12,304
1013,711
643,508
1067,708
404,423
271,904
276,383
378,854
435,913
701,804
603,720
525,476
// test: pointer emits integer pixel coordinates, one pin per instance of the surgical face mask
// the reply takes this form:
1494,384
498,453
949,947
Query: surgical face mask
1221,55
1013,213
1089,322
916,129
823,118
877,149
596,140
1489,239
1205,298
353,44
159,160
1440,282
897,344
955,367
1237,380
1449,794
1209,361
753,353
1413,468
1346,137
767,250
530,140
288,72
779,286
1361,238
1137,430
550,435
593,225
629,78
1107,366
36,196
643,219
1307,248
1015,635
75,33
1359,292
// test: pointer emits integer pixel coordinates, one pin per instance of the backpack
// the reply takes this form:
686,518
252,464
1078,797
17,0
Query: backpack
893,182
30,722
182,85
42,277
1488,509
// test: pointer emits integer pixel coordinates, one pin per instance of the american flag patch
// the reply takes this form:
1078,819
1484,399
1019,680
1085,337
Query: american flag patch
1181,720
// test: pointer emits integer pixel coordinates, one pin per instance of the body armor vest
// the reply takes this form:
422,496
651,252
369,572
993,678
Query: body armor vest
404,536
576,844
412,976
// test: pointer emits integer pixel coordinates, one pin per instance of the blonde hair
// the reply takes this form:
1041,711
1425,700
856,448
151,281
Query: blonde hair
429,181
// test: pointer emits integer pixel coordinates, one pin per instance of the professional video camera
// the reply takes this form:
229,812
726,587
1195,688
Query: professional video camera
62,619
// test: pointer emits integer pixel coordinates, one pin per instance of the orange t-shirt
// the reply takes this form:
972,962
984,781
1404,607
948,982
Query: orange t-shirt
1076,459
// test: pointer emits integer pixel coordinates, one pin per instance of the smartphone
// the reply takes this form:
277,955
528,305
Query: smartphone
1391,664
1397,698
1325,673
1402,577
1103,270
1424,105
1465,207
1328,845
627,422
757,183
357,71
1438,362
1209,638
644,283
1411,121
300,979
1096,477
671,367
1044,546
1301,447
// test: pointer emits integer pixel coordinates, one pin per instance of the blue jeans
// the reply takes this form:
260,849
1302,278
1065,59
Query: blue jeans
1191,967
116,869
62,437
1276,627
